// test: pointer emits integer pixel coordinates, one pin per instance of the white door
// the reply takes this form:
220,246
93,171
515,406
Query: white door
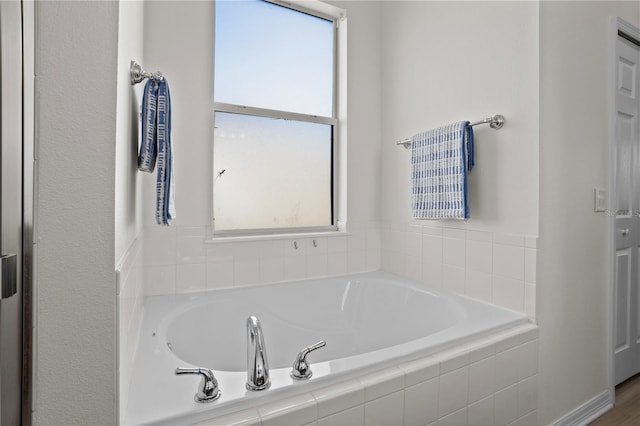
627,208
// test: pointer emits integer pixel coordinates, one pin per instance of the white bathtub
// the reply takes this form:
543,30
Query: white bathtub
369,321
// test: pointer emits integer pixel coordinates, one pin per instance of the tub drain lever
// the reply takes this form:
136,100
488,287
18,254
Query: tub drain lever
208,388
301,369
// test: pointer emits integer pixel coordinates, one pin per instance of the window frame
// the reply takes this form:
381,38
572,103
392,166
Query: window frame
333,121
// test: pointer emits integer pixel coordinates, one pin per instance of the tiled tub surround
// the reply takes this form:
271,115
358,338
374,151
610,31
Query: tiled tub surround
184,259
172,260
361,339
179,260
129,278
492,381
494,267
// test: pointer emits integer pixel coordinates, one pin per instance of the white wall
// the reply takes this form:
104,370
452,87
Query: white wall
75,353
178,40
450,61
128,206
364,60
128,194
573,254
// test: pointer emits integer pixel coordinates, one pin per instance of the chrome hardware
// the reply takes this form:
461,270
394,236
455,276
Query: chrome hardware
301,369
208,388
624,232
257,363
138,74
495,122
8,281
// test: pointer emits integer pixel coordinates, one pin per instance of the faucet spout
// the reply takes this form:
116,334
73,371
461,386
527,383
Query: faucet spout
257,363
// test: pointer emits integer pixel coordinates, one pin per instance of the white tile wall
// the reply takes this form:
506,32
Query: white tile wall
352,416
462,387
385,411
179,259
453,391
129,276
241,418
489,266
297,410
421,403
481,413
457,418
334,399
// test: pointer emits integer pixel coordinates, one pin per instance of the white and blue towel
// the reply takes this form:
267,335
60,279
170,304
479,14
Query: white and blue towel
440,161
155,148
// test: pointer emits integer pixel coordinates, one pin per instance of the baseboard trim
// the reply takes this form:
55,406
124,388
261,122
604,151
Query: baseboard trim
587,412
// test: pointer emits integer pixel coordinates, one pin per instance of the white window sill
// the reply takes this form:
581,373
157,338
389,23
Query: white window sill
269,237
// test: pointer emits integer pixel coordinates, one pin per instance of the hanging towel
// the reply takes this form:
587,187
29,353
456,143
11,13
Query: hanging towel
156,149
440,161
147,154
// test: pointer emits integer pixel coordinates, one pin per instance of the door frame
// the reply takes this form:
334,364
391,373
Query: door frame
617,27
29,235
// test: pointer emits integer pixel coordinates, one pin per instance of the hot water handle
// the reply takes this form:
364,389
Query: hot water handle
301,369
208,389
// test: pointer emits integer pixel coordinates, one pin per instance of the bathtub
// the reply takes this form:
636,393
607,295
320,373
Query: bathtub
369,321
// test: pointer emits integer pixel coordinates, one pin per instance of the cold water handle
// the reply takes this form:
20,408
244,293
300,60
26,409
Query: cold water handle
301,369
208,388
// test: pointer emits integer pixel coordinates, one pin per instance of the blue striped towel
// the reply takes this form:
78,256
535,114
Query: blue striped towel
156,146
148,148
440,161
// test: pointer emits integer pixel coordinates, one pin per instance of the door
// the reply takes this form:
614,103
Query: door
11,182
626,153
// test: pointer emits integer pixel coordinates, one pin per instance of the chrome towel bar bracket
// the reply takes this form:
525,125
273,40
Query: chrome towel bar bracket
495,122
138,74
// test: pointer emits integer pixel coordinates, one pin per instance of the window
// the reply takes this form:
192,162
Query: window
275,120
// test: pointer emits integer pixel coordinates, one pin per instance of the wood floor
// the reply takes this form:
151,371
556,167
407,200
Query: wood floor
626,412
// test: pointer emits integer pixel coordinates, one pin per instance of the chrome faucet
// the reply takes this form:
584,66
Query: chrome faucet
301,369
208,388
257,363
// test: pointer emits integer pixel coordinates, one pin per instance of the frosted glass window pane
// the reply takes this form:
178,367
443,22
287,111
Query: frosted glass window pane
277,173
268,56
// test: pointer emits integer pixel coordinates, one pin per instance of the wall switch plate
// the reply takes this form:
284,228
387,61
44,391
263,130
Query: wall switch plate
599,200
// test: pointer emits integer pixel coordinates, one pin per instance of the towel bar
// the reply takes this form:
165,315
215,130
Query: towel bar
138,74
495,122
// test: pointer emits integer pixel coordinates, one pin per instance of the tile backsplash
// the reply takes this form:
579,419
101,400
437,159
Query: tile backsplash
182,259
130,285
490,381
493,267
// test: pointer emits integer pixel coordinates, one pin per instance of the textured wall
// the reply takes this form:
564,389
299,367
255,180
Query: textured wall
76,54
128,193
128,205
